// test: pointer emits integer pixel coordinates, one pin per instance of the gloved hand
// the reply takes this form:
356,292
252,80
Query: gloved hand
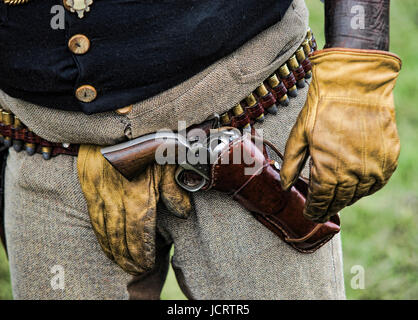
122,212
347,127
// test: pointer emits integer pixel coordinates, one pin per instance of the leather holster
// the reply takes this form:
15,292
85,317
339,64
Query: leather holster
261,194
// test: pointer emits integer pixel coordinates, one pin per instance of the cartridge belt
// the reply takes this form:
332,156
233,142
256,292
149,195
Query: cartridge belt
276,90
14,133
273,93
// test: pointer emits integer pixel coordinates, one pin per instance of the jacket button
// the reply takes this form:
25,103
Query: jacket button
86,93
124,110
79,44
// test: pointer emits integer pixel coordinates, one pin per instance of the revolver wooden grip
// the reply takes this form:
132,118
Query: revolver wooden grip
132,157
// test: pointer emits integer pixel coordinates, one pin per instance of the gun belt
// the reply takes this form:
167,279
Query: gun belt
273,93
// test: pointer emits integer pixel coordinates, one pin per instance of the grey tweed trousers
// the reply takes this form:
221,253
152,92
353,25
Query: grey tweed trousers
220,251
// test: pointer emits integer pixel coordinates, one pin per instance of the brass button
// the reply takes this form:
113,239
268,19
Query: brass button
86,93
79,44
124,110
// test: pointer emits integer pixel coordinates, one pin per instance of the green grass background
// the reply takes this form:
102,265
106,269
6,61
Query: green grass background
379,232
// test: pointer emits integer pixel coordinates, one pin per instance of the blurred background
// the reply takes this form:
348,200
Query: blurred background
379,233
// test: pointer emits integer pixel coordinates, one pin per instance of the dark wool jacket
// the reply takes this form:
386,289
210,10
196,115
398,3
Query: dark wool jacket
137,48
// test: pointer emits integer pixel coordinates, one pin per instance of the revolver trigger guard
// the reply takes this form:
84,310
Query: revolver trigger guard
191,188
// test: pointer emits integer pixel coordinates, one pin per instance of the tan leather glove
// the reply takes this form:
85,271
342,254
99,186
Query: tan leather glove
122,212
348,128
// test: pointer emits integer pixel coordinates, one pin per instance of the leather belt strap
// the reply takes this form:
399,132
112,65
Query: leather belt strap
272,92
14,133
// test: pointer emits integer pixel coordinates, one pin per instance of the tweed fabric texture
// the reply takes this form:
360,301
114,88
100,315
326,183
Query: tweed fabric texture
224,250
216,89
221,252
49,234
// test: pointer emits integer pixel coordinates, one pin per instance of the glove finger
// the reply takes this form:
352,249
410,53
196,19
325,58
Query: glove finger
318,201
112,191
175,198
342,197
380,180
140,202
89,176
296,152
100,184
377,186
106,192
365,188
320,196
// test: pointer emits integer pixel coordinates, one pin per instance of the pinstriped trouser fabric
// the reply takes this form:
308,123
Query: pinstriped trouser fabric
221,252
